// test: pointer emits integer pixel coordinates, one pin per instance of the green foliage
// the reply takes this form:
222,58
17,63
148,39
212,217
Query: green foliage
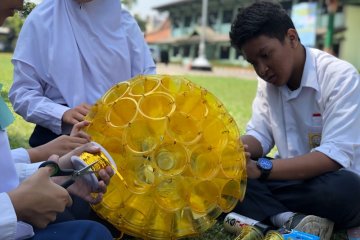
129,3
15,23
142,23
28,7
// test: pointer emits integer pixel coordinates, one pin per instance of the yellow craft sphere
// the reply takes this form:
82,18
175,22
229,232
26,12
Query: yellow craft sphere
177,155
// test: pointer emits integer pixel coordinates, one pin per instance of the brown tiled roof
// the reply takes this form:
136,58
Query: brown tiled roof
160,34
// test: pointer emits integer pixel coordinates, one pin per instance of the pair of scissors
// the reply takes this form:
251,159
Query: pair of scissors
74,174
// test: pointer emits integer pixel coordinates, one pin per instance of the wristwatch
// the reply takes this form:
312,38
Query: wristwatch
265,165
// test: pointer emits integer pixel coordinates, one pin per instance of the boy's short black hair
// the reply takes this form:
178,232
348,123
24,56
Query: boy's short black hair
261,18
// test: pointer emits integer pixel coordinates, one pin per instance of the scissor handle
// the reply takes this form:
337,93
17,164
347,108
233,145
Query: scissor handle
57,171
68,183
55,167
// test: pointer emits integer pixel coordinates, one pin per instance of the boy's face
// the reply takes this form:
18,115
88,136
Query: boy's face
272,60
8,7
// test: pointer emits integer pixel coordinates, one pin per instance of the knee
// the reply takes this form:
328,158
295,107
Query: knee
345,187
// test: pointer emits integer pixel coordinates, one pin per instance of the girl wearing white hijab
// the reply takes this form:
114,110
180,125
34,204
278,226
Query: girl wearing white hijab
69,53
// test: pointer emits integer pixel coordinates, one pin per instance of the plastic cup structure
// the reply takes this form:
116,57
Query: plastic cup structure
177,155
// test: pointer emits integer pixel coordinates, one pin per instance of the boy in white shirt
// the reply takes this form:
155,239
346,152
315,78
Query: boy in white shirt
307,106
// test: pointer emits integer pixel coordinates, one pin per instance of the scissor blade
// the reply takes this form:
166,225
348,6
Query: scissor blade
85,170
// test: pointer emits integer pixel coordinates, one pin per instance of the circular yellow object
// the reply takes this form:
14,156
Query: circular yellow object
176,151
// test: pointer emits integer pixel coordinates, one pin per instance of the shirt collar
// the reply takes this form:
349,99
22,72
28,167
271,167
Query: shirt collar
307,79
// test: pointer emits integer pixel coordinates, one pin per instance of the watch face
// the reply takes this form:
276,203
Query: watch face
265,163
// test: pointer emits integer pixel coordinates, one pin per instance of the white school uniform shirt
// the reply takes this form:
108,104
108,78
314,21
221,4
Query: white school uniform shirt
329,87
68,54
14,166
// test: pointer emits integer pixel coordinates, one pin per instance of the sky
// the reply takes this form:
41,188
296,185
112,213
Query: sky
143,7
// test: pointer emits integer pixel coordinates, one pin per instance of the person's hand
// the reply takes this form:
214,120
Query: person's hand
59,146
81,187
77,131
38,199
251,169
76,114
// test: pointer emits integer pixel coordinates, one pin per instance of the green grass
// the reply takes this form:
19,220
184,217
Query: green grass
20,130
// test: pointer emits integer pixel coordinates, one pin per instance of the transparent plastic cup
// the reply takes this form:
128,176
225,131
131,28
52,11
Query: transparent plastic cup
249,232
229,193
144,135
175,85
144,85
116,92
160,224
171,194
192,103
184,128
117,117
157,105
203,196
171,158
204,162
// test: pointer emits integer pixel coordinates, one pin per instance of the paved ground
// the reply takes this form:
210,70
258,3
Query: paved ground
175,69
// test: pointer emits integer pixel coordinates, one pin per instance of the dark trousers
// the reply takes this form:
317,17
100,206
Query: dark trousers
73,230
41,135
334,195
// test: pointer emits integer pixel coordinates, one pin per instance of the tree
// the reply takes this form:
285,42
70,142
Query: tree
129,3
15,23
141,22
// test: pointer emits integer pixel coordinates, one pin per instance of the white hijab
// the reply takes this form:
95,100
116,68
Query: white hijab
83,50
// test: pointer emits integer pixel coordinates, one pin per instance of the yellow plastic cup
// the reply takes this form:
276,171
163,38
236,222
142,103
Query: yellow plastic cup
144,85
184,128
117,117
204,162
157,105
204,196
229,193
171,158
250,233
171,194
116,92
174,84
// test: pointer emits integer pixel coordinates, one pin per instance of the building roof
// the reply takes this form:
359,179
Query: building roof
163,36
160,34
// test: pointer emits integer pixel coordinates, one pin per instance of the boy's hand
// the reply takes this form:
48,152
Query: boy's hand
38,199
252,170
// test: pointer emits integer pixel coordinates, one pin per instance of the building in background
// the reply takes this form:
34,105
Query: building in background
179,36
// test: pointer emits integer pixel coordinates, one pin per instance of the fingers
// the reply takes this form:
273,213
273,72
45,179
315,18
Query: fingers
95,198
69,202
104,176
77,127
76,114
54,158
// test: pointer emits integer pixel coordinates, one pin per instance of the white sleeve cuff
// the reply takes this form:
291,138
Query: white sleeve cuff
24,170
337,152
20,155
265,144
8,219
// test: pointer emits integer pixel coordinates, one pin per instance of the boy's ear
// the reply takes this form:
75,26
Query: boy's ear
293,37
